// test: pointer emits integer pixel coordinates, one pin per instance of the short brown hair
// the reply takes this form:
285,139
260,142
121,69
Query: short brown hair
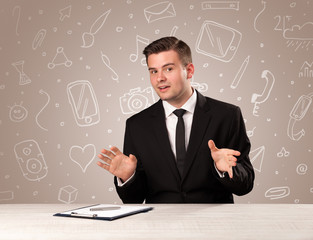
167,44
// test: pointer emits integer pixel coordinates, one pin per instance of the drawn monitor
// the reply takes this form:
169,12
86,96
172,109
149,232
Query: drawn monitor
84,103
218,41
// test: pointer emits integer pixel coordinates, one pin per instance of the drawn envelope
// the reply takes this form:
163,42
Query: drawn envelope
218,41
159,11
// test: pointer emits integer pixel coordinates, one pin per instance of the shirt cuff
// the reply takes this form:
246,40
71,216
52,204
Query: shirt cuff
221,174
121,184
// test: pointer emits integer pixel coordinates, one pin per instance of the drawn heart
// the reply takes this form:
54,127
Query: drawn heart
83,156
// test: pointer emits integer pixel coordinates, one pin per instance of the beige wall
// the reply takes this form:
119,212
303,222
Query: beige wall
72,72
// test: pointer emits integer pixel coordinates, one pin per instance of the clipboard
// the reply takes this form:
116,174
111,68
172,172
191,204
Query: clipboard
107,212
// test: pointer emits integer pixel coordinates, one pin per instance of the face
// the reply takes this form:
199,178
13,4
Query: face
169,78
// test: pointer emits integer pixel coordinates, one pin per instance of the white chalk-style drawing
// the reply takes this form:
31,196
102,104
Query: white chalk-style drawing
6,195
83,156
60,59
18,113
297,113
283,153
256,98
306,70
218,41
38,39
258,15
48,100
84,103
173,31
302,169
107,63
201,87
89,37
19,66
250,133
134,56
65,12
277,192
68,194
256,158
281,22
299,37
136,100
31,160
159,11
220,5
240,73
18,10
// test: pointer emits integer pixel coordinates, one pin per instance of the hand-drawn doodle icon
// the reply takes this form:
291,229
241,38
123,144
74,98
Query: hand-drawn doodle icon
257,156
107,63
83,156
173,31
283,153
218,41
258,15
240,73
302,169
298,112
136,100
65,12
306,70
67,194
19,66
84,103
218,5
299,36
18,113
256,98
18,9
134,56
277,192
201,87
6,195
159,11
250,133
31,160
88,37
48,96
38,39
60,59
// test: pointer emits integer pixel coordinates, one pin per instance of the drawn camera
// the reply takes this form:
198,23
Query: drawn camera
136,100
30,160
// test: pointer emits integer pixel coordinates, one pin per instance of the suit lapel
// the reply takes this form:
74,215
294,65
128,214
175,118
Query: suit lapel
160,132
201,119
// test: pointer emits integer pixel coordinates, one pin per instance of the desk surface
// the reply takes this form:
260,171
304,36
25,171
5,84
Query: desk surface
168,221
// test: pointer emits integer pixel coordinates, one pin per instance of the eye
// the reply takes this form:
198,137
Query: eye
169,69
153,71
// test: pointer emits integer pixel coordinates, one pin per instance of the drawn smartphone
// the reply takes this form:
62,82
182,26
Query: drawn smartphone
31,160
84,103
218,41
260,98
301,107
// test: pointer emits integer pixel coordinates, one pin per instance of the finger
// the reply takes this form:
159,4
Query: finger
105,159
115,150
103,165
212,145
108,153
230,172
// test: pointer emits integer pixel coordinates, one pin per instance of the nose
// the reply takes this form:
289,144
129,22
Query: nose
161,76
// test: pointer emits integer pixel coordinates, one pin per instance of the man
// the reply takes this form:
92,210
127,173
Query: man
158,166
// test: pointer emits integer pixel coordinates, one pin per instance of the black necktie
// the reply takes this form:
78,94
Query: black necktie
180,140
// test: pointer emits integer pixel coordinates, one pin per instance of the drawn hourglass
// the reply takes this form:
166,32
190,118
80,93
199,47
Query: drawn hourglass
24,79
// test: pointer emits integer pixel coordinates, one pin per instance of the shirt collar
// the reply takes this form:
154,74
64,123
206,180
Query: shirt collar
189,106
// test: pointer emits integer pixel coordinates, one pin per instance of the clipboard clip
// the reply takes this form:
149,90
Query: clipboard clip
75,214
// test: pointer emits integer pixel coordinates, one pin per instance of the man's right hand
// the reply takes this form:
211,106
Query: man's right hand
117,163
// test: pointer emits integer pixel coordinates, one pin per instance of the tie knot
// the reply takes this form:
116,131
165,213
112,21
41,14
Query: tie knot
179,112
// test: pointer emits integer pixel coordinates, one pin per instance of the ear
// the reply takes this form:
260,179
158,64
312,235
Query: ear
190,70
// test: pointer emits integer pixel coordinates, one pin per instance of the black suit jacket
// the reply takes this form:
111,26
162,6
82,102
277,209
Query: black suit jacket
157,179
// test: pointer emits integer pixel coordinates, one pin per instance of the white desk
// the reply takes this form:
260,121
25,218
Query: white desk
238,221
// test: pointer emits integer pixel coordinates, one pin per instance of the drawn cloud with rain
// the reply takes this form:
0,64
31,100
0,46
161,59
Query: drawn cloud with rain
304,32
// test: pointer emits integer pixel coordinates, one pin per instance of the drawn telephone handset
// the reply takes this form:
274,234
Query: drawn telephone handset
297,113
257,99
84,103
31,160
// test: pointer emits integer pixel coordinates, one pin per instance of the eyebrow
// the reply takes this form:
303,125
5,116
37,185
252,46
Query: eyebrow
165,65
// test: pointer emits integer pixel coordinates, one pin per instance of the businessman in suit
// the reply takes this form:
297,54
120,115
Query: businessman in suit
170,149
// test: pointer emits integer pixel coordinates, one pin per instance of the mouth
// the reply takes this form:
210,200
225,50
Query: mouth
163,88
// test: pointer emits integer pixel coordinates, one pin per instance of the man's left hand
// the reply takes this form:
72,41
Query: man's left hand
224,158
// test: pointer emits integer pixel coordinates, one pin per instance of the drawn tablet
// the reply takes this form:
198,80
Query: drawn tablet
218,41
